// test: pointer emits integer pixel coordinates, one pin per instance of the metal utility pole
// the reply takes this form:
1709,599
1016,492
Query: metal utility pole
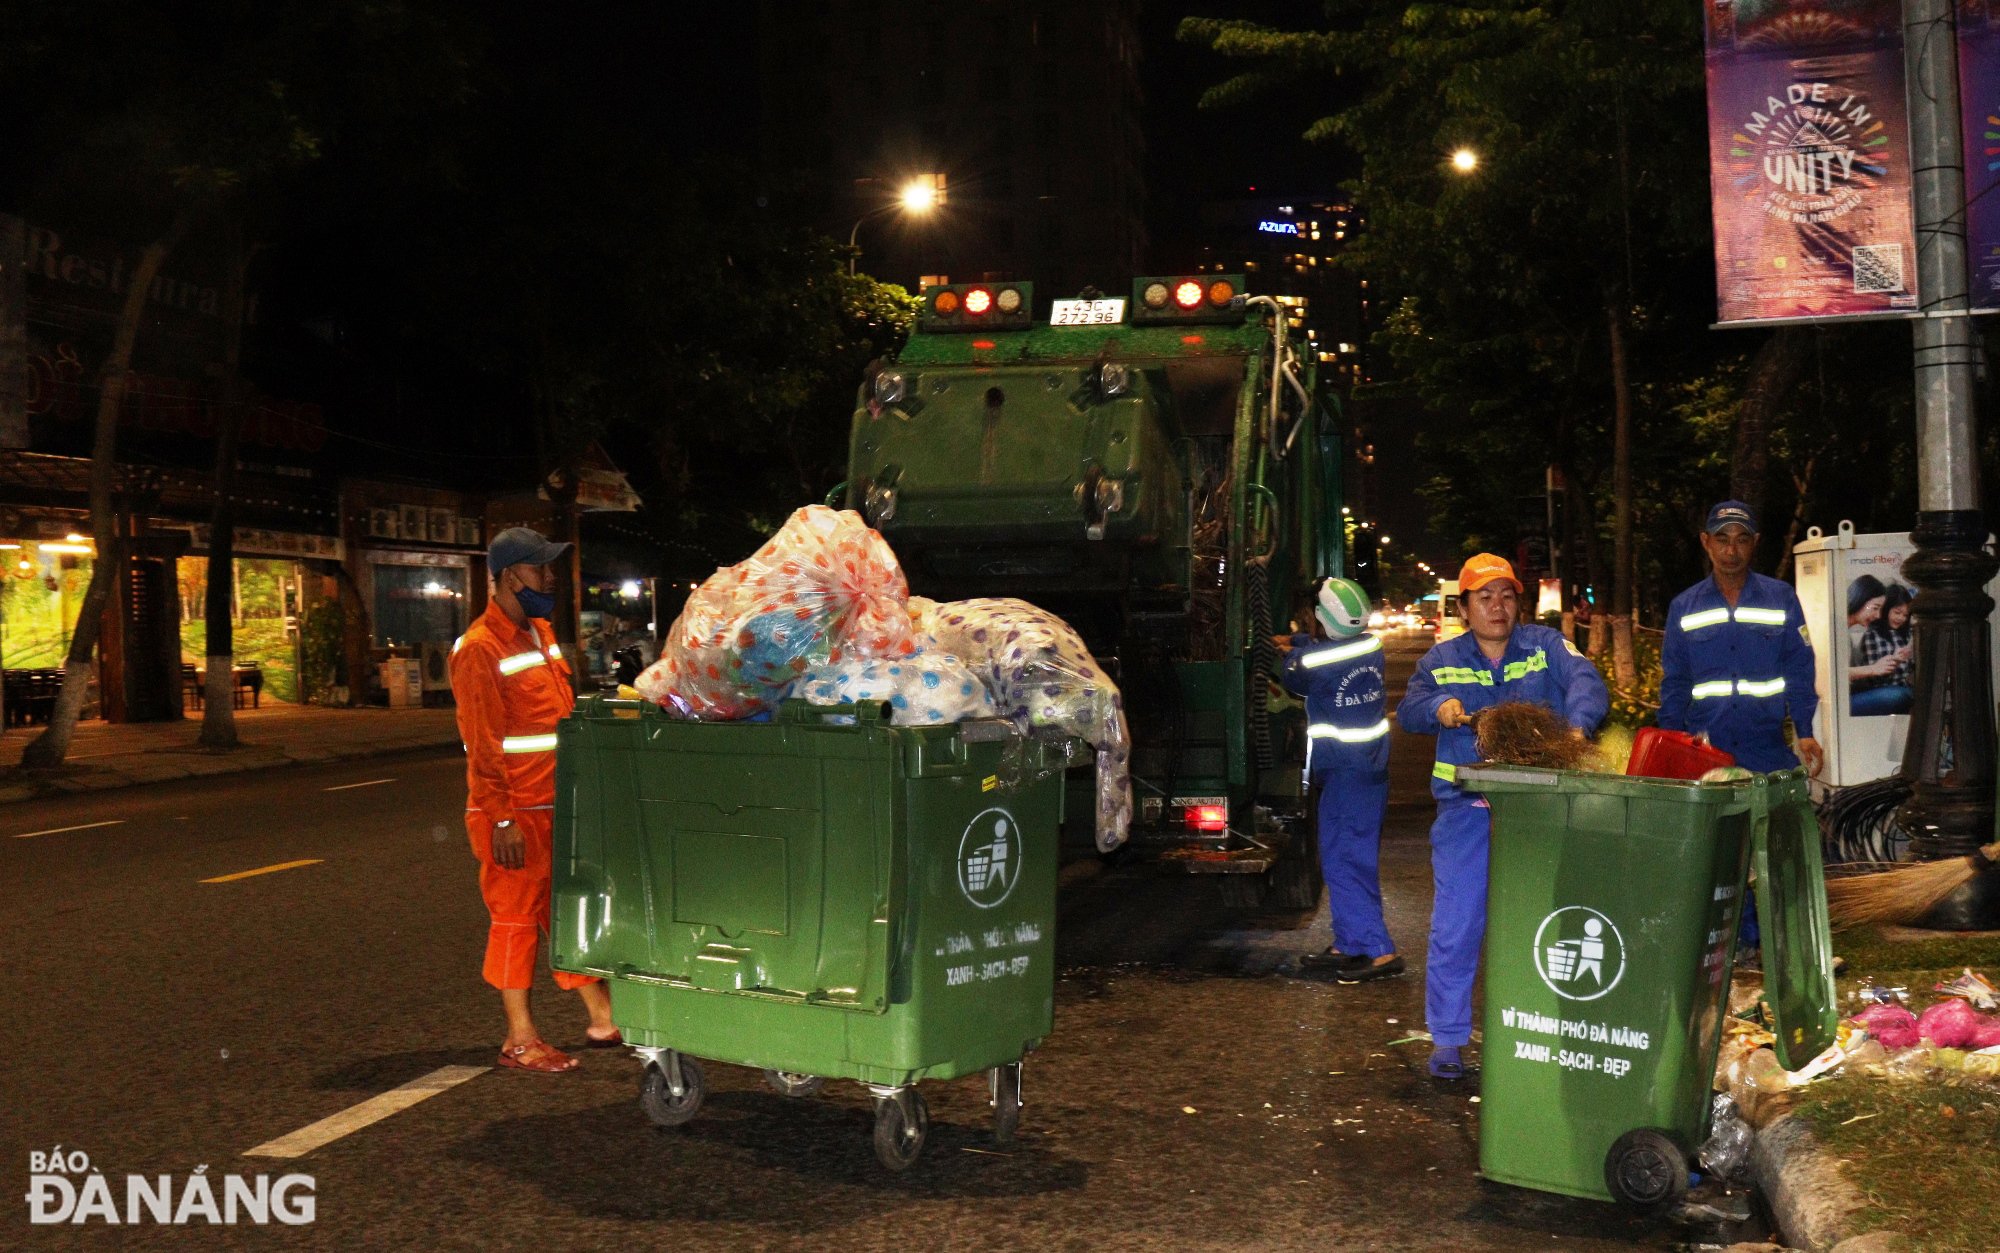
1949,757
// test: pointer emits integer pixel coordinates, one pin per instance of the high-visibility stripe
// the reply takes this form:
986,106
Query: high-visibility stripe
1348,735
521,661
457,644
1761,617
1706,618
1522,669
1741,687
555,652
1345,652
1462,674
1446,771
528,744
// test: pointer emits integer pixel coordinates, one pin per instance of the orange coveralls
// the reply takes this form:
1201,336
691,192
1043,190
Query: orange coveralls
512,687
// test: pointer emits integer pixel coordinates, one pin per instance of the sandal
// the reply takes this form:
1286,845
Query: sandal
1445,1064
616,1040
541,1058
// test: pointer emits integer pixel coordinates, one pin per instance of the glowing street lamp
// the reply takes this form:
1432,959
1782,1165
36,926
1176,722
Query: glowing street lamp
919,196
1465,160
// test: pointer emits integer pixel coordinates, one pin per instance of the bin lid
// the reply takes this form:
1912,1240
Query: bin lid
1791,914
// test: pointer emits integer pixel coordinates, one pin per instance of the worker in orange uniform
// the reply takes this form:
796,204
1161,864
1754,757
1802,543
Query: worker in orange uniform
512,687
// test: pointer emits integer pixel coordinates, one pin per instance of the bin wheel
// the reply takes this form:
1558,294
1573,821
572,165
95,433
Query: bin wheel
657,1096
1005,1083
1645,1168
793,1084
902,1123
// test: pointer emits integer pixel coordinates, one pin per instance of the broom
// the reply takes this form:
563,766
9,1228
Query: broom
1905,894
1520,733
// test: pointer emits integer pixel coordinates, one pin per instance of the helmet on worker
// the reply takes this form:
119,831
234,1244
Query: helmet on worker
1341,607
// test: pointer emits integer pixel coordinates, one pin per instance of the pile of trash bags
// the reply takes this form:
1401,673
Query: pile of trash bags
1956,1038
822,612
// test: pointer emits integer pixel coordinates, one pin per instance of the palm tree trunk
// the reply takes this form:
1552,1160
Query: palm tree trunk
1624,662
51,747
218,717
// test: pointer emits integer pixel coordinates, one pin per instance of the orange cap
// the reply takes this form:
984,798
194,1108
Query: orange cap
1483,568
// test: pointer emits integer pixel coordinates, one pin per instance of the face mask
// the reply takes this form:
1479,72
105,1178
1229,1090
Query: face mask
535,604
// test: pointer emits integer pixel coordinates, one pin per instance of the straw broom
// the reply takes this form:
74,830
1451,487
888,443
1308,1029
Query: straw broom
1905,894
1520,733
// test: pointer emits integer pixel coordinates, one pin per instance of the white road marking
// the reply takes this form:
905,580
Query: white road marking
29,835
343,787
372,1110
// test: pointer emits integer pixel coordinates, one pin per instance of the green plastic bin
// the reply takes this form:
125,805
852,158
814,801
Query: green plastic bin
1612,909
824,895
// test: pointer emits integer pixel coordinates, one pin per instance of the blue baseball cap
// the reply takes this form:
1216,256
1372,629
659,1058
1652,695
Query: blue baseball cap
520,545
1730,513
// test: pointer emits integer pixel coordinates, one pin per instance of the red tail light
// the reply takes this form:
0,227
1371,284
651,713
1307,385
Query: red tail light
1208,817
978,301
1188,294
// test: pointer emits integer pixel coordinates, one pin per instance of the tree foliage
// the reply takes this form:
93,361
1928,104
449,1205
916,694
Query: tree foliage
1590,196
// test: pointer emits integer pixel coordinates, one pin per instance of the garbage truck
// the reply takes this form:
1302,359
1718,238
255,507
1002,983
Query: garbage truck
1162,471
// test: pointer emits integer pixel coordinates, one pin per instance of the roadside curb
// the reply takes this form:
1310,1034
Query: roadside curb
1812,1202
197,764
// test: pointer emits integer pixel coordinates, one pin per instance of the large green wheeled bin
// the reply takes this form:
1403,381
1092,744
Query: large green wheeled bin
1612,906
824,895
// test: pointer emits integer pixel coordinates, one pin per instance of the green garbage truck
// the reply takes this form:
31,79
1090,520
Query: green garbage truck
1162,471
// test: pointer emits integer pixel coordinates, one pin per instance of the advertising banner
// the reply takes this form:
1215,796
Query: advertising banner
1809,167
1979,106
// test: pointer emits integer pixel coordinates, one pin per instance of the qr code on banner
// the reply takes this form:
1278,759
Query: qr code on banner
1878,268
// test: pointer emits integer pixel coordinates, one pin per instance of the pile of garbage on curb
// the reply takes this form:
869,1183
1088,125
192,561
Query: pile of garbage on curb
1956,1039
822,612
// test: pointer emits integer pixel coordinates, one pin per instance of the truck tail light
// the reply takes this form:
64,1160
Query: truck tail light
1207,817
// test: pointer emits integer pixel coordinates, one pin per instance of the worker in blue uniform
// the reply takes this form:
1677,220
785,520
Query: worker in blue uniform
1499,659
1737,661
1347,767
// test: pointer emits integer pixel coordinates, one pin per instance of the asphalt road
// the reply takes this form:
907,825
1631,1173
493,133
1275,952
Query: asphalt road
1195,1094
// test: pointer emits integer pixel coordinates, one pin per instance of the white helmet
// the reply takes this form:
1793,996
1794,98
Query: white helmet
1342,607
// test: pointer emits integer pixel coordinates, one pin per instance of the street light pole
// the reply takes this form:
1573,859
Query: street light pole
1949,756
919,196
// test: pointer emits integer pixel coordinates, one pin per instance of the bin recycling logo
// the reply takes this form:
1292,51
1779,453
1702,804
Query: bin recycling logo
1579,953
989,858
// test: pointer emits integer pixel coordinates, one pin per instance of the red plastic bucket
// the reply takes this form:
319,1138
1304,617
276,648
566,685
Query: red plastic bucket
1658,754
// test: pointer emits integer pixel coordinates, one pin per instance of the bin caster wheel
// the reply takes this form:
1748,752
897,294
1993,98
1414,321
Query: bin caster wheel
1004,1082
1645,1168
792,1084
658,1094
902,1122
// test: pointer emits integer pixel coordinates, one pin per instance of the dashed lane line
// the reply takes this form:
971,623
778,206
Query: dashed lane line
248,874
372,1110
29,835
345,786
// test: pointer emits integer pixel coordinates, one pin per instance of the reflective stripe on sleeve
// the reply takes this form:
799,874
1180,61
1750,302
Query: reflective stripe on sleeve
1446,771
555,651
1761,617
1706,618
1348,735
521,661
528,744
1345,652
